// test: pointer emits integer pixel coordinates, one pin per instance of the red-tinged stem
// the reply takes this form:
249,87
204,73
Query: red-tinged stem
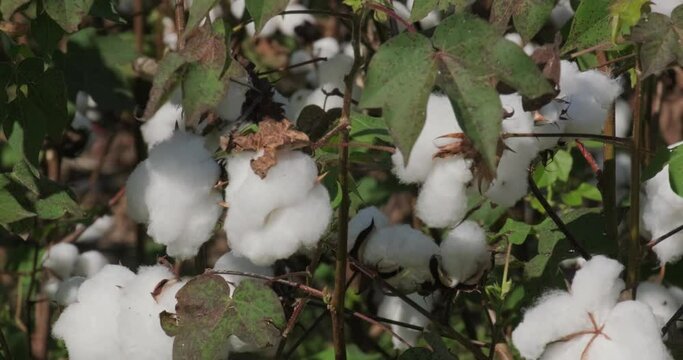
589,157
391,13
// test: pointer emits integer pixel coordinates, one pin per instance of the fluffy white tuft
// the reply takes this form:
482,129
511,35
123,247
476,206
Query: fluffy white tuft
67,293
97,229
363,219
61,259
163,123
661,211
442,200
465,254
660,299
89,263
394,308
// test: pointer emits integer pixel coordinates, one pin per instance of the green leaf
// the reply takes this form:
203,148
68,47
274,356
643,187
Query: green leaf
591,25
46,32
164,81
67,13
315,122
477,107
26,130
657,163
516,231
422,8
56,205
206,316
10,209
501,12
529,16
8,7
261,11
625,14
106,9
557,169
198,11
26,175
676,170
49,93
403,65
660,39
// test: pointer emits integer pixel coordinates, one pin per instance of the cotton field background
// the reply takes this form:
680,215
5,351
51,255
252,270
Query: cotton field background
341,179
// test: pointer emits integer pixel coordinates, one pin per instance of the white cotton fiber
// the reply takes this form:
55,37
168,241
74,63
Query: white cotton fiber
510,183
136,188
67,293
291,21
90,326
363,219
297,101
331,72
622,118
319,98
597,285
50,287
442,200
89,263
61,259
659,299
271,218
465,254
142,337
677,293
588,96
178,196
237,8
163,123
664,6
661,211
561,13
440,121
230,261
394,308
298,57
326,47
97,229
401,249
230,107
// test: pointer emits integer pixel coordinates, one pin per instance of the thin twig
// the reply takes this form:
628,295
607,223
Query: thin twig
180,23
305,288
5,346
303,336
600,46
138,25
289,67
625,142
556,219
633,248
298,309
672,321
31,285
671,233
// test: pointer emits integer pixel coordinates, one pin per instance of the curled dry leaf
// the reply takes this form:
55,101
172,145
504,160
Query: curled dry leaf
271,136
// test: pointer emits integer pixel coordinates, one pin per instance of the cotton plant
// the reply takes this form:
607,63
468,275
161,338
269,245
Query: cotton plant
68,269
661,209
588,321
442,201
173,192
127,307
395,308
271,218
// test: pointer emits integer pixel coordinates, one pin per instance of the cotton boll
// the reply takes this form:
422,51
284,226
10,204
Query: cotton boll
297,101
554,316
363,219
96,230
98,298
402,11
659,299
50,287
561,13
67,293
442,201
465,254
163,123
182,205
237,8
440,120
60,259
401,249
331,73
231,262
270,28
139,328
394,308
230,107
677,294
664,7
89,263
596,286
298,57
661,211
291,21
136,188
326,47
622,117
318,97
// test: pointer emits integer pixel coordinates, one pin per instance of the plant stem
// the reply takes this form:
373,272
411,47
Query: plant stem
5,346
180,22
337,303
656,241
138,25
633,248
625,142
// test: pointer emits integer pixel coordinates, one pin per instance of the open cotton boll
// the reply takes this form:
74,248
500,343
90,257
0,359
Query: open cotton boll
561,13
291,21
318,97
136,188
363,219
51,286
298,57
465,254
661,213
96,230
331,73
163,123
440,120
183,207
326,47
664,7
230,107
67,293
597,285
404,250
61,259
90,326
139,328
660,300
231,262
622,118
442,200
394,308
89,263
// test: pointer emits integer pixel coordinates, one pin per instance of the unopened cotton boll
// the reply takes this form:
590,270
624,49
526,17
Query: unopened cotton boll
139,328
440,120
659,299
661,211
98,298
61,259
394,308
465,254
664,7
96,230
89,263
163,123
442,200
362,221
402,251
271,218
231,262
67,293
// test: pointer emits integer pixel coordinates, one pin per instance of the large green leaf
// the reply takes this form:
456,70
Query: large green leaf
591,25
400,79
206,316
676,170
262,10
164,80
8,7
660,39
67,13
46,32
10,209
26,128
422,8
49,93
529,16
477,107
198,11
